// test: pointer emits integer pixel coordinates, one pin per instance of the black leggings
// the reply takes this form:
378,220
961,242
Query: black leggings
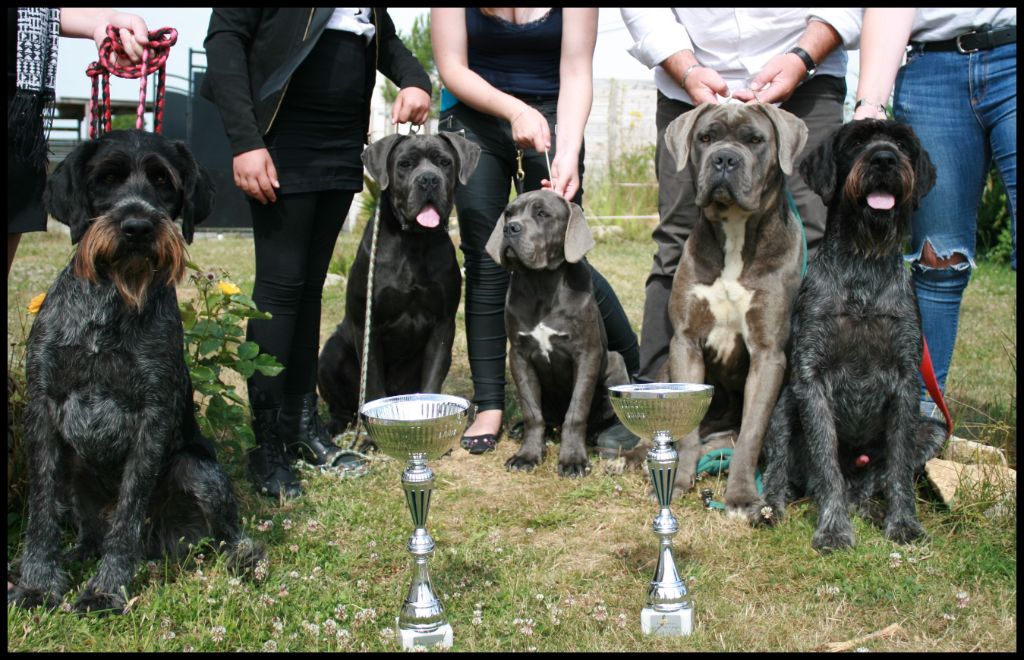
479,204
294,240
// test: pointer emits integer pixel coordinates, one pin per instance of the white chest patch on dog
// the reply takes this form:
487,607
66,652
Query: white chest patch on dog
542,334
727,299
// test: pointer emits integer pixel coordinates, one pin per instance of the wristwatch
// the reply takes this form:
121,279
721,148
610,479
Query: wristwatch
808,62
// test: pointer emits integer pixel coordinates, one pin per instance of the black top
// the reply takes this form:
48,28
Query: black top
249,47
517,59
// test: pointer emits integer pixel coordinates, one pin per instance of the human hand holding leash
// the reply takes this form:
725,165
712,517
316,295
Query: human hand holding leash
530,129
411,105
256,175
565,175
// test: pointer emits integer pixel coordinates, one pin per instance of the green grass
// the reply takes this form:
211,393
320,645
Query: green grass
557,565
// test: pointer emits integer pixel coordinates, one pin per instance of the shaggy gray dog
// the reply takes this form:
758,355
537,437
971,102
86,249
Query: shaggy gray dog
847,424
109,423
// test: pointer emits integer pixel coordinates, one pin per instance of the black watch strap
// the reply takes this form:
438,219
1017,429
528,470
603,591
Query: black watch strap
803,55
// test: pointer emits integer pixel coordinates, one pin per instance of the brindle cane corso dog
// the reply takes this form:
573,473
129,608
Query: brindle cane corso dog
847,425
417,283
733,291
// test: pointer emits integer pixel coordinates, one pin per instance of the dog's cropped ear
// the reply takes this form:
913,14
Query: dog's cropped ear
375,158
578,239
493,246
924,176
791,132
198,191
468,152
678,134
65,194
819,168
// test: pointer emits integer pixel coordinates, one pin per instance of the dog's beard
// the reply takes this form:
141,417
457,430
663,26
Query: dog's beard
883,206
103,254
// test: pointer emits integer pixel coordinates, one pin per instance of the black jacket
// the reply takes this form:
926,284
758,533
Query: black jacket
251,53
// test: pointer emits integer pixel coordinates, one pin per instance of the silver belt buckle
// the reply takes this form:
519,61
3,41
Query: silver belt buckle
961,48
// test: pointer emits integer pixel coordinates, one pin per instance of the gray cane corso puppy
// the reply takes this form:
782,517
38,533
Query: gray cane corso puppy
559,350
417,283
847,425
734,289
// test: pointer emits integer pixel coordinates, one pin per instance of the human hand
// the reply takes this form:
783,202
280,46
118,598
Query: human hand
131,29
704,85
411,105
255,174
775,82
530,129
565,175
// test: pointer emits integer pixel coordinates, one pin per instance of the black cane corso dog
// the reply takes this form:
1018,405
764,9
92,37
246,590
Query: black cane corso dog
558,353
733,291
110,426
847,425
417,282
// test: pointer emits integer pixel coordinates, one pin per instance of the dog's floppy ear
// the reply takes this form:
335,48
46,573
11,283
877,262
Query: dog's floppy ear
468,152
198,191
578,239
924,176
493,246
677,134
819,168
65,194
375,158
791,132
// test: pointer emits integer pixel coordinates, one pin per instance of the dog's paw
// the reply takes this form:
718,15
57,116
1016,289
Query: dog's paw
29,598
758,513
904,530
93,600
574,468
684,482
828,540
523,462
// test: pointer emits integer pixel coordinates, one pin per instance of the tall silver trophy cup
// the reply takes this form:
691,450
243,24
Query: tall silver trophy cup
662,412
418,427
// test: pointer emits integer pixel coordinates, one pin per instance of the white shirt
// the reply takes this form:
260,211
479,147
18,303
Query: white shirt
932,24
735,42
358,20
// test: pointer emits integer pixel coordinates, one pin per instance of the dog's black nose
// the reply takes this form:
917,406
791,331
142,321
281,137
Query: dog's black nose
428,181
884,157
726,160
136,228
511,228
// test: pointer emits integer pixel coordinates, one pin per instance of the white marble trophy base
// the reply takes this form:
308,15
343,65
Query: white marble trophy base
667,624
442,637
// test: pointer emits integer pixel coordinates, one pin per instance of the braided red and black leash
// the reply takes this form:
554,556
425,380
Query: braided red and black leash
154,59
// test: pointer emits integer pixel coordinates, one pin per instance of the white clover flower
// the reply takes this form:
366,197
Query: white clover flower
270,645
217,633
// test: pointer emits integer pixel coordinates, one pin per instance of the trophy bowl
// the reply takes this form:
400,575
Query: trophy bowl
647,408
410,424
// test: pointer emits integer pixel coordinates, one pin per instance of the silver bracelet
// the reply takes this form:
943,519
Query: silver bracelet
688,71
878,106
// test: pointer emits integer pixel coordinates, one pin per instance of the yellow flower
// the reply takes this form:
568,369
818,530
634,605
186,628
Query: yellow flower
228,288
36,303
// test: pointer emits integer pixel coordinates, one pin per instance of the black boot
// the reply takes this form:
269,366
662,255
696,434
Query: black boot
308,437
269,470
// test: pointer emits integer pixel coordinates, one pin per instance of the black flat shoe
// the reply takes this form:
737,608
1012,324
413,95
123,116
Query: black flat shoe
481,444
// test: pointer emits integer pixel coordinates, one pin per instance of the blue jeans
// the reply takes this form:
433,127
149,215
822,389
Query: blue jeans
963,108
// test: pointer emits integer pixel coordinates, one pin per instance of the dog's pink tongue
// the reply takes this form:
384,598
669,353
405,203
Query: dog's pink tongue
428,217
881,201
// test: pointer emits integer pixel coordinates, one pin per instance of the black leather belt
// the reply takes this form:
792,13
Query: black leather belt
973,41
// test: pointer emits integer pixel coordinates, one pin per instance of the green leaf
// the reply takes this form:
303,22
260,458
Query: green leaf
188,316
207,388
268,365
246,368
210,345
248,350
191,264
202,374
235,396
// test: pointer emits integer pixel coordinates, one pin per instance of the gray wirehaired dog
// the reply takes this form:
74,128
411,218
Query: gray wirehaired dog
109,423
847,425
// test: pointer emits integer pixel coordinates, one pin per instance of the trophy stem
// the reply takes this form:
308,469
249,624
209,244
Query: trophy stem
421,621
668,610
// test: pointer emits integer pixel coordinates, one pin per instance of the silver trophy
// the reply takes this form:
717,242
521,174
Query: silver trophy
418,427
661,412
